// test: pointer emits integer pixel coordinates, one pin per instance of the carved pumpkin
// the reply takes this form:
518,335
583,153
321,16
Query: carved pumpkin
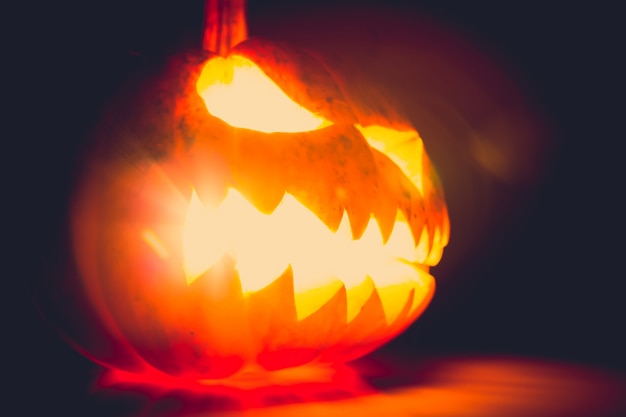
253,210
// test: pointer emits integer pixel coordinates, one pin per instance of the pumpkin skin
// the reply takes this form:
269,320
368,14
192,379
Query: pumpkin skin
158,147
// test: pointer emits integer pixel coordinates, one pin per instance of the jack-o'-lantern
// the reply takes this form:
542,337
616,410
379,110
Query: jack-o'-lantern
252,210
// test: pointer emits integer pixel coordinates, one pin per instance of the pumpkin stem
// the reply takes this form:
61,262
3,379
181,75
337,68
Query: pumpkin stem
224,25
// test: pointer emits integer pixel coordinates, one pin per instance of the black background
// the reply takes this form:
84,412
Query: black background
548,284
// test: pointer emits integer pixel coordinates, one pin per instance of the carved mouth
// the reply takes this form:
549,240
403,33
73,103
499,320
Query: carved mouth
262,246
331,205
360,174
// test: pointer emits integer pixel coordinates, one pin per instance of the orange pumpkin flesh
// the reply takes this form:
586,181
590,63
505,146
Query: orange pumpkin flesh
245,284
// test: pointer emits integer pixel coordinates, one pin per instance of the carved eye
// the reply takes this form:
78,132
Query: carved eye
235,90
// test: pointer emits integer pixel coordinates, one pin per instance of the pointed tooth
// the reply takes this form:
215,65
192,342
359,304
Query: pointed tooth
434,256
385,215
417,229
445,227
359,193
264,299
311,301
430,226
404,214
216,294
416,220
331,216
257,272
404,206
435,252
422,249
266,190
385,225
326,325
357,297
401,240
411,204
394,299
216,278
271,322
391,194
258,168
344,230
439,242
358,221
320,202
369,320
265,198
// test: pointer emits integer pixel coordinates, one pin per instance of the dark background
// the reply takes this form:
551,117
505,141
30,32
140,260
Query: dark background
539,274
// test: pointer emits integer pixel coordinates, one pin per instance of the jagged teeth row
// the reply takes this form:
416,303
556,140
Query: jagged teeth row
392,226
264,245
379,191
370,296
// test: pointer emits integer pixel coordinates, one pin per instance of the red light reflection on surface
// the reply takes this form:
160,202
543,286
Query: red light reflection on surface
457,386
245,390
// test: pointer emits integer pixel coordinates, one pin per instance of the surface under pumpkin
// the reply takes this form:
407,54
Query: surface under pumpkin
255,210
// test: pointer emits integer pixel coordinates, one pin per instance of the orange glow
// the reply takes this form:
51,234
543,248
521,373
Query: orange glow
265,245
442,387
235,90
254,224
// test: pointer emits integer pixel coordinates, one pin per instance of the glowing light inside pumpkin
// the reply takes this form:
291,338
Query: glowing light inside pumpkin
235,90
264,245
405,149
